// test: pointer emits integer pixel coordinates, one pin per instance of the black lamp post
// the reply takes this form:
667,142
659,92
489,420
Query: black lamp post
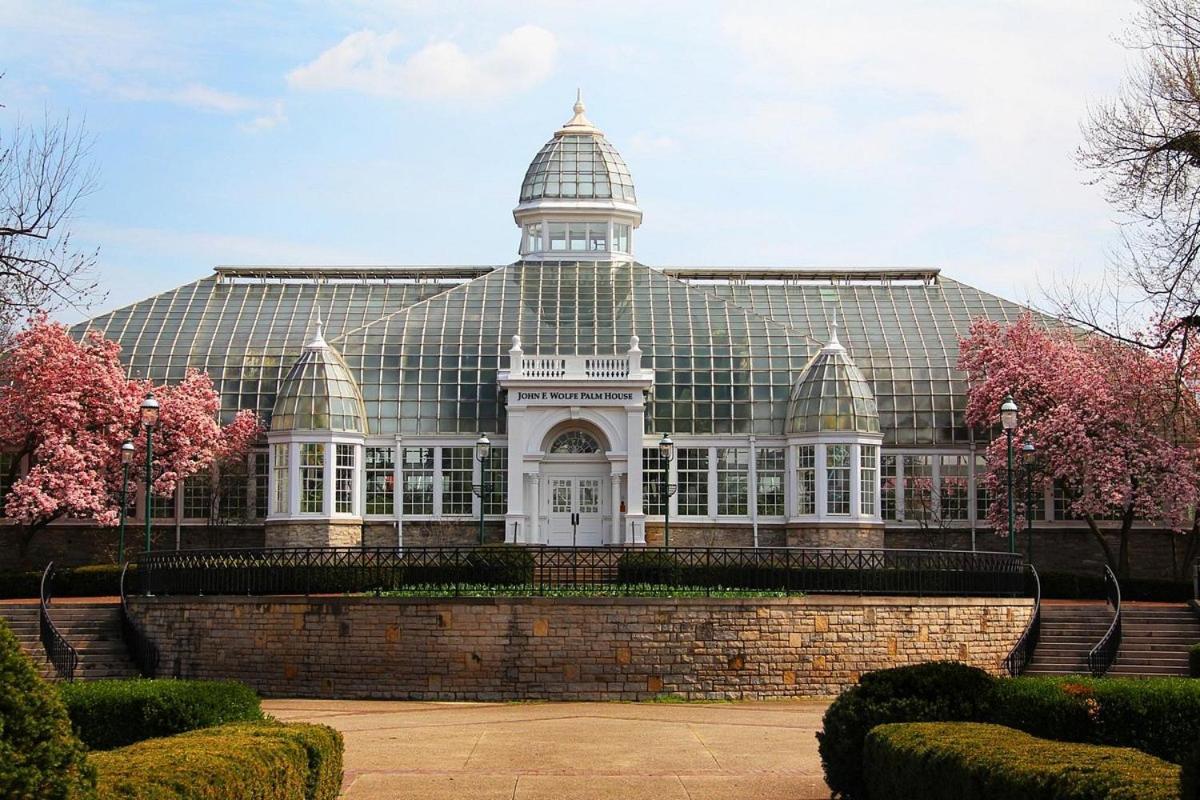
1008,421
149,411
1028,454
666,453
126,460
483,451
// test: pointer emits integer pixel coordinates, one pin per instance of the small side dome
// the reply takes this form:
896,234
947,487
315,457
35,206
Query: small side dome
319,393
832,395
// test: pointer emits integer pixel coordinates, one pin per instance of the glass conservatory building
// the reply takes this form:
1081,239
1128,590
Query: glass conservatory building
804,406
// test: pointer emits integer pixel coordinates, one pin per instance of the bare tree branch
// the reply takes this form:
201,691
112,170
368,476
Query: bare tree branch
44,173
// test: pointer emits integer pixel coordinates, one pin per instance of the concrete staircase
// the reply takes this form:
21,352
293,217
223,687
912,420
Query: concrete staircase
1069,632
92,628
1155,639
23,620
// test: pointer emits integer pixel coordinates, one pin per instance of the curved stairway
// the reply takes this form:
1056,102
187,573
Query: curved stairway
1154,641
92,628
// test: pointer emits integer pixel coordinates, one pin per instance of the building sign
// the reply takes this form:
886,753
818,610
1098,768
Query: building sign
576,398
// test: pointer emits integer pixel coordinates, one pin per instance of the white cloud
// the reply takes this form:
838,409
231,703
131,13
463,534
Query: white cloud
264,122
192,95
364,62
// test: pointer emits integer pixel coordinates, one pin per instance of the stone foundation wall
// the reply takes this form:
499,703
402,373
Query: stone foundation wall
323,533
854,536
693,534
568,649
429,533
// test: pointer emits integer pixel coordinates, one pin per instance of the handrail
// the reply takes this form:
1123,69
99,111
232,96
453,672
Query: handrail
1022,652
60,653
537,569
142,651
1102,656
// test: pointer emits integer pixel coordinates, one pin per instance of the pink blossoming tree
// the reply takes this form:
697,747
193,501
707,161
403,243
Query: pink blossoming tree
66,406
1111,430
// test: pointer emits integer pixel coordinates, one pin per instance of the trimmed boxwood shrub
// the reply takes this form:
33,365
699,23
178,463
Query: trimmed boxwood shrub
95,580
973,761
1189,778
1065,585
249,761
1160,716
40,759
115,713
926,692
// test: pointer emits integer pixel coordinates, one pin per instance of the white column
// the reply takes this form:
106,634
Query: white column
437,482
398,490
534,510
615,509
516,526
822,489
752,488
293,477
855,475
790,489
712,483
635,519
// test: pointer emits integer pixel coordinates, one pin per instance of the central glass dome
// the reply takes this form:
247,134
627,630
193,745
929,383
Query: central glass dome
578,166
578,163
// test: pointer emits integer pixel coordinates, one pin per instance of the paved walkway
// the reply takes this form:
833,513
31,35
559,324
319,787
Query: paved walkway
563,751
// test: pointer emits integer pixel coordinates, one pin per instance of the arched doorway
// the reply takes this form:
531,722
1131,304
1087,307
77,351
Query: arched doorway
576,497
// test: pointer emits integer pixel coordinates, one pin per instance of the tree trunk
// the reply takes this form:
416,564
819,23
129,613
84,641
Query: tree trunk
1095,529
1184,568
1126,525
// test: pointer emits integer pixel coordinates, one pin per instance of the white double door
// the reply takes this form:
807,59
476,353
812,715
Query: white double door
576,509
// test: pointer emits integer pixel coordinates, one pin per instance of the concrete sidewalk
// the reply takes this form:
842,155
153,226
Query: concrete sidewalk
563,751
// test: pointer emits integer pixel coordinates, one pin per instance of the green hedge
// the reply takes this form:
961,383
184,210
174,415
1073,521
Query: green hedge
1160,716
95,580
1194,660
39,757
116,713
249,761
973,761
1065,585
926,692
1189,778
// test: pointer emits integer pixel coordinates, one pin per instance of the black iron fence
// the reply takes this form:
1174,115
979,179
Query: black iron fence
548,570
58,651
1018,659
1104,653
142,651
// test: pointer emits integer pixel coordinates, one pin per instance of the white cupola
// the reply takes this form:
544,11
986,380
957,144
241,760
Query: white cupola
577,200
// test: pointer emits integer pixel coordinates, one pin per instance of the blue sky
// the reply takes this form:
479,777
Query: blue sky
799,133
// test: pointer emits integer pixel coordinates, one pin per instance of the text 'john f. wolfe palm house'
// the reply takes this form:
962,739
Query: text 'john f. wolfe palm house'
805,406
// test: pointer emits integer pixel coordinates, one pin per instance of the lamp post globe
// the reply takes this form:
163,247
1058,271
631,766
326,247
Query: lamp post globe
126,460
149,411
1008,421
483,451
666,452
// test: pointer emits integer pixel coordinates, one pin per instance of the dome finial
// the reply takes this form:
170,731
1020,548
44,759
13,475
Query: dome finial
579,123
833,343
317,342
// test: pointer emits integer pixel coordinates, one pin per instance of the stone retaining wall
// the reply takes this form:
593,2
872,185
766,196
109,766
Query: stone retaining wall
568,649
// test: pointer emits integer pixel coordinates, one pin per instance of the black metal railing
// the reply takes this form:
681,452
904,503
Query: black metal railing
58,651
541,570
1104,653
142,651
1018,659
